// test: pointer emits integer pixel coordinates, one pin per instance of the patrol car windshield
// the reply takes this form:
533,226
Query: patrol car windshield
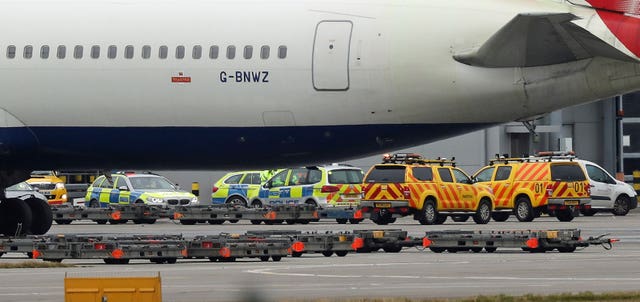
345,177
567,172
150,183
386,174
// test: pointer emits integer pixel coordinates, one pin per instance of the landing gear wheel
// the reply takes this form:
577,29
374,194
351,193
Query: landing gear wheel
12,213
621,206
523,210
483,215
42,216
460,218
500,216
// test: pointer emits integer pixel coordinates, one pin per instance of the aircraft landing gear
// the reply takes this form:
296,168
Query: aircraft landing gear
21,215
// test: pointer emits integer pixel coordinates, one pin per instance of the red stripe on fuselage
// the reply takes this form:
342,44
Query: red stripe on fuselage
625,28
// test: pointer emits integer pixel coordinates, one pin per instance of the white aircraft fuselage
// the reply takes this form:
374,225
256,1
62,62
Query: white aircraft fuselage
357,78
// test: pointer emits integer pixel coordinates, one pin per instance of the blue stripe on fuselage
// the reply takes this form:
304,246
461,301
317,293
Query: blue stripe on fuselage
209,147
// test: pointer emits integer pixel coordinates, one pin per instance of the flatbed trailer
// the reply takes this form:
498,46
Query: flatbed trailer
114,214
325,243
535,241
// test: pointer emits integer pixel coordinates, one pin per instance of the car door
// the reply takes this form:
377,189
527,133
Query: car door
251,181
602,187
124,192
503,187
466,195
277,188
447,192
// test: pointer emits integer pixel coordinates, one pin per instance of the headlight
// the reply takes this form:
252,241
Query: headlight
194,200
154,200
59,185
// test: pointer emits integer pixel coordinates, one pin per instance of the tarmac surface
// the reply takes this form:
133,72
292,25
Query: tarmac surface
411,273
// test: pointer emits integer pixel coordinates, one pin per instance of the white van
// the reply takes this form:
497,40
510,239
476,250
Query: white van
607,193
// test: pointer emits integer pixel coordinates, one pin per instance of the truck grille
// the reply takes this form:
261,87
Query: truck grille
44,186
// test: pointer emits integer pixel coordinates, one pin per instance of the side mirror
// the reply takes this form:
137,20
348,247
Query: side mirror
267,185
177,186
123,188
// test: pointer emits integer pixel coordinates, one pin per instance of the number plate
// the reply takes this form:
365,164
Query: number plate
571,202
381,205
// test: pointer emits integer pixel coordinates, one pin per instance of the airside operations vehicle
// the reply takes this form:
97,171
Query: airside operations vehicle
526,187
130,188
237,187
324,186
607,193
312,81
50,185
430,190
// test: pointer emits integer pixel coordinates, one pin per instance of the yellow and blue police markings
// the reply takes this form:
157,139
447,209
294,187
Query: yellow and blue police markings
114,196
288,195
238,185
221,195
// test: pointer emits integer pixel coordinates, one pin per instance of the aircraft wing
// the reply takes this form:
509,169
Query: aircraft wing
530,40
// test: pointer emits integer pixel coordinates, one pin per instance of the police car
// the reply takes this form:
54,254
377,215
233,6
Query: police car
327,185
132,188
238,187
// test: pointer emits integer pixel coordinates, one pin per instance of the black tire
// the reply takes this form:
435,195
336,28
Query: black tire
256,222
13,212
147,221
138,221
296,254
311,202
567,249
379,219
341,253
41,214
441,219
429,215
621,206
500,216
392,249
188,221
523,210
237,201
588,212
490,249
460,218
355,221
476,249
94,204
327,253
215,221
565,215
290,221
276,258
63,221
234,220
257,204
264,258
483,214
101,221
341,220
437,249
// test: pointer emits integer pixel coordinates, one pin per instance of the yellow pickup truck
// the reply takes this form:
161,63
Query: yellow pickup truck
50,185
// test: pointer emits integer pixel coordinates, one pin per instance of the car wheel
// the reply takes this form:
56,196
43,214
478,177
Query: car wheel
237,201
565,216
257,204
500,216
429,213
523,210
621,206
588,212
94,204
483,214
460,218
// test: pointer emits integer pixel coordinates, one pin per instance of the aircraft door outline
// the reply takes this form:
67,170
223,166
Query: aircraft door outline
331,52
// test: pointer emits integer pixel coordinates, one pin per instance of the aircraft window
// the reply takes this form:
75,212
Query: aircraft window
128,52
213,52
248,52
44,52
95,51
77,52
231,52
11,51
112,52
196,53
62,52
28,52
146,52
163,52
264,52
180,52
282,51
